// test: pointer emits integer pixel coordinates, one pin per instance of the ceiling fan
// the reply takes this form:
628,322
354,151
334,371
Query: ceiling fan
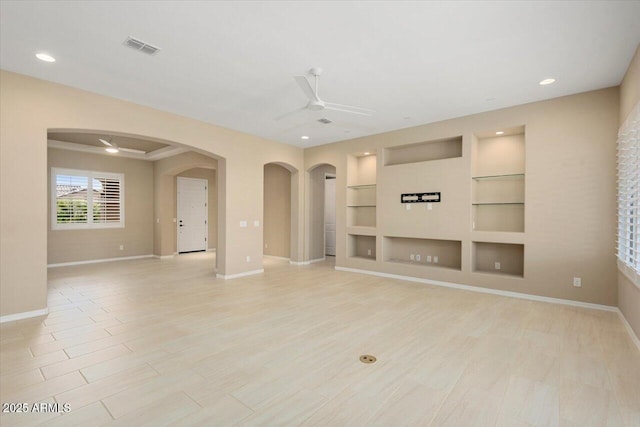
317,104
113,148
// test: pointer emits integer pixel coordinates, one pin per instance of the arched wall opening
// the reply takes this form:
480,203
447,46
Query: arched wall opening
149,173
318,230
280,207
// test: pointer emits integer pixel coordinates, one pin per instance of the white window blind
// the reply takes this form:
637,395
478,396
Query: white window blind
629,194
85,199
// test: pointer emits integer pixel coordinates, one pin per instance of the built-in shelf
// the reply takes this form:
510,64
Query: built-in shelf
435,253
361,246
508,176
497,203
361,230
498,181
506,259
359,187
361,193
438,149
421,264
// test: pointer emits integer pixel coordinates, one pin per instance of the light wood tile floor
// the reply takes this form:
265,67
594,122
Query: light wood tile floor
153,343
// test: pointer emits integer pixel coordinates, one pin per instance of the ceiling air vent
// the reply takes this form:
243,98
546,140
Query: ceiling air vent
141,46
325,121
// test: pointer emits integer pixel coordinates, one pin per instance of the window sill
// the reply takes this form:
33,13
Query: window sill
629,273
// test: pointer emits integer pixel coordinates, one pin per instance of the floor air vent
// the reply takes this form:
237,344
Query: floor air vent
141,46
325,121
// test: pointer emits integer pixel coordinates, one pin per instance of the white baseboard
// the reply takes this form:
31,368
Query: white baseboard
307,262
24,315
484,290
163,256
211,250
629,329
277,257
235,276
96,261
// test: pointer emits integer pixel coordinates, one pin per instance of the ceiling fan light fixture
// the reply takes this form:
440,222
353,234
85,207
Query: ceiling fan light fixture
547,81
304,137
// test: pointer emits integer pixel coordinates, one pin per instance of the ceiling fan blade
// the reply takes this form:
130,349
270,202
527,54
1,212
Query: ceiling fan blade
131,150
306,88
290,113
348,109
105,142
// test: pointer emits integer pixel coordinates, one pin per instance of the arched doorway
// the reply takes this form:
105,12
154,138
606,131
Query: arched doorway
279,211
321,212
147,170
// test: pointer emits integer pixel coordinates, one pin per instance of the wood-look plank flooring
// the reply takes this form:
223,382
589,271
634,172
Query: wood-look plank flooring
163,342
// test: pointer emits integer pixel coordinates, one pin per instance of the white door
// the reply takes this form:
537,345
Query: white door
192,214
330,215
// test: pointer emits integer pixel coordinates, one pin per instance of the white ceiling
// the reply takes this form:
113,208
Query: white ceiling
231,63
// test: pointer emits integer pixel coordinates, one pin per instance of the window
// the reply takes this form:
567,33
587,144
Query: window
83,199
629,196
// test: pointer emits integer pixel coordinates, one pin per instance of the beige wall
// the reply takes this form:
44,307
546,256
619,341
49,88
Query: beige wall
277,210
212,204
137,235
315,205
30,107
628,293
569,191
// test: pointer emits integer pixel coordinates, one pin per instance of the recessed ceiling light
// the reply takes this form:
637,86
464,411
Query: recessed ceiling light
304,137
366,153
500,132
547,81
44,57
111,150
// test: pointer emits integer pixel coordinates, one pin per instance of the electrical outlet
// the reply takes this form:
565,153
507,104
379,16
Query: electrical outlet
243,224
412,257
157,220
429,206
122,247
369,252
497,265
577,282
256,223
266,245
435,259
248,258
428,258
408,206
418,257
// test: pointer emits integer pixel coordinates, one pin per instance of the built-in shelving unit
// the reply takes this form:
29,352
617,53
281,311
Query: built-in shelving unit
438,149
361,206
505,259
498,181
423,252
